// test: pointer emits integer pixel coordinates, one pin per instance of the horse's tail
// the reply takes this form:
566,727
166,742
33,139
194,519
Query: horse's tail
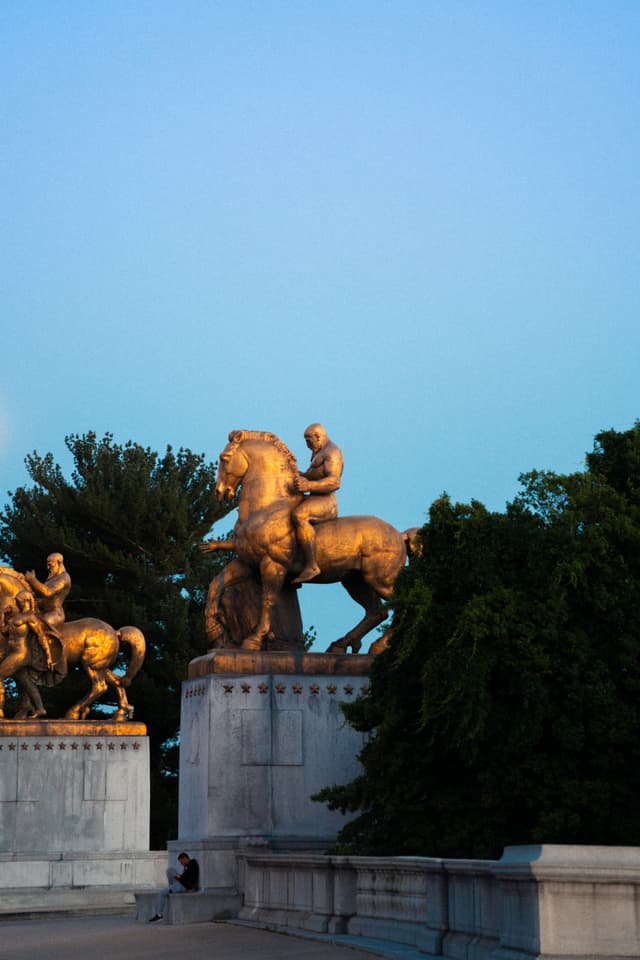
413,542
135,639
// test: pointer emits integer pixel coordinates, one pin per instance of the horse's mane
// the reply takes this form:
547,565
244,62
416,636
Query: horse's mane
237,436
10,572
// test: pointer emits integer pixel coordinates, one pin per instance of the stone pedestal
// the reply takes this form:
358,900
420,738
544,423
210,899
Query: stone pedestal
260,733
74,806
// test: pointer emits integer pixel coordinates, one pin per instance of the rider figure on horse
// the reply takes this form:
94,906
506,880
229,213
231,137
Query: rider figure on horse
320,481
53,592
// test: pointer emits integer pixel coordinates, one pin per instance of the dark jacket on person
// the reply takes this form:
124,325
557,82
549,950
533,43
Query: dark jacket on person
190,875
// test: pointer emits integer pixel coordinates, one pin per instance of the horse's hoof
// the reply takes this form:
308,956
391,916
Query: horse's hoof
214,629
252,643
379,646
338,646
306,575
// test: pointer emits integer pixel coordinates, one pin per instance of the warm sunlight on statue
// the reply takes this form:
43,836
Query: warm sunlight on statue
288,531
320,482
37,644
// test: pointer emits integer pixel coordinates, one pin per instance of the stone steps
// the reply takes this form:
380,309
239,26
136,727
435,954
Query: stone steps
31,903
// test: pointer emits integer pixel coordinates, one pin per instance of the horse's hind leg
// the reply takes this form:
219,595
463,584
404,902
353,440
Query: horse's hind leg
98,687
234,572
125,710
374,613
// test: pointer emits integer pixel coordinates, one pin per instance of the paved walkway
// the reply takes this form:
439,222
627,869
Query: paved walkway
123,938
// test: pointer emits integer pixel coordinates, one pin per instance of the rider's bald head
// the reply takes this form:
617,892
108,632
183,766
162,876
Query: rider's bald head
315,437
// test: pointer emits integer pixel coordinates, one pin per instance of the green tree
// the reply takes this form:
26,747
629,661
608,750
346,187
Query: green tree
127,522
507,708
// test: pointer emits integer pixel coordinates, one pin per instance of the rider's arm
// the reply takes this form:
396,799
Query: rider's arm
36,585
52,587
332,465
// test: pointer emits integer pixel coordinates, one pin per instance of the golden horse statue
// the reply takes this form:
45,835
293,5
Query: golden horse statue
90,643
364,554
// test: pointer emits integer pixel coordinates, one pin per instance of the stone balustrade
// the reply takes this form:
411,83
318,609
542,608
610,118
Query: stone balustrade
545,902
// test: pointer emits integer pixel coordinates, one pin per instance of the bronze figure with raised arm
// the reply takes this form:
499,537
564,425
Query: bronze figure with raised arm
53,592
320,482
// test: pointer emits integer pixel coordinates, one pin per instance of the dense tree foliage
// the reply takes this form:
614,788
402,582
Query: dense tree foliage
507,709
127,523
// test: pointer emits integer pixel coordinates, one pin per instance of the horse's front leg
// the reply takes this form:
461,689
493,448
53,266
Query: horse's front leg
234,572
272,576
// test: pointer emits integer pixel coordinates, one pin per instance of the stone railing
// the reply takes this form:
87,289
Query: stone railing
541,902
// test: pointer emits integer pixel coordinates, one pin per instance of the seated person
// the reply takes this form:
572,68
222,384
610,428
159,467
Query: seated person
185,882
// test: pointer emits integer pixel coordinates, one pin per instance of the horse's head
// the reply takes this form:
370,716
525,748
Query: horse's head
232,467
260,460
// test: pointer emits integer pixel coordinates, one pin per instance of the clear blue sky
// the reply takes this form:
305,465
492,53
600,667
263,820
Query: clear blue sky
416,222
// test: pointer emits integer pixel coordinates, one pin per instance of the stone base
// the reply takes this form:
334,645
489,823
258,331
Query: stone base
74,817
240,662
260,733
93,883
62,871
73,787
71,728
